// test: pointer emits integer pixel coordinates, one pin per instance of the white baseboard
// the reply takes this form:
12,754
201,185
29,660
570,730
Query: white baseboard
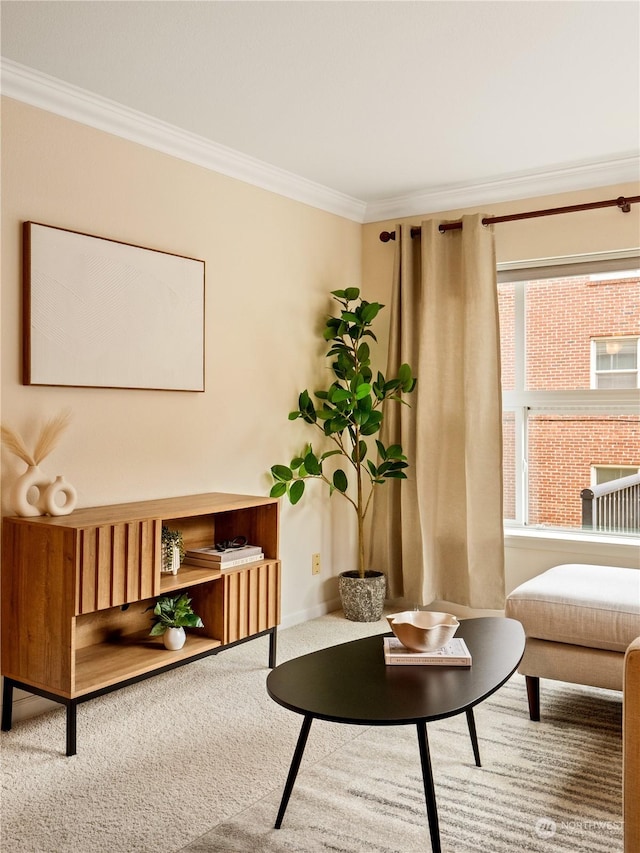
310,613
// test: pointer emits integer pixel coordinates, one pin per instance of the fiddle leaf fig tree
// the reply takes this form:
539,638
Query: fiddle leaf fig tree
348,413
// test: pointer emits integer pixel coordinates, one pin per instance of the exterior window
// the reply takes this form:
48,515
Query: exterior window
607,473
615,363
571,405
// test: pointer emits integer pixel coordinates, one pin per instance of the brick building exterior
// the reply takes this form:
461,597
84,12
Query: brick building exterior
563,317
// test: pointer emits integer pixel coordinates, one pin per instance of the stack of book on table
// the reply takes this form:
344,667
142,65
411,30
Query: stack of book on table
212,558
454,653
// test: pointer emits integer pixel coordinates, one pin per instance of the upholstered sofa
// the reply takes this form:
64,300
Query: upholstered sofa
582,625
578,620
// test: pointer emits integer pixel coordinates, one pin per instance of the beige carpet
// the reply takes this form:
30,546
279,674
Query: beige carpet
196,760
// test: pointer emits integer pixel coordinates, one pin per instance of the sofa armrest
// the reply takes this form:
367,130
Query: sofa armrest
631,748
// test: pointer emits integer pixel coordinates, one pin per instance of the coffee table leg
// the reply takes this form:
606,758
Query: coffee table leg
293,770
471,722
429,792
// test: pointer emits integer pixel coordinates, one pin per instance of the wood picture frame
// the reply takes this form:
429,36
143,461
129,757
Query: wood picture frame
101,313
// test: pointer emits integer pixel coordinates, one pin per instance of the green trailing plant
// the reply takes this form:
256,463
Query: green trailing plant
171,612
348,413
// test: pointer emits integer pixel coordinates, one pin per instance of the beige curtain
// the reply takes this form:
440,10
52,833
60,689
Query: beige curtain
439,534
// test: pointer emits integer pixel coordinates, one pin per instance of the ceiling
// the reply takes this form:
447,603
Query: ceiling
375,101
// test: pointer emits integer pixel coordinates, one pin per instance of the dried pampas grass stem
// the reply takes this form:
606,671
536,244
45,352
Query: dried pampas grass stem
47,440
49,435
14,443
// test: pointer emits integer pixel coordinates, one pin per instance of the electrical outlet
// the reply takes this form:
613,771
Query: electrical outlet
315,564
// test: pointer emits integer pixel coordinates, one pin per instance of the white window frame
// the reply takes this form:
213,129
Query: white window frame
523,402
612,339
628,469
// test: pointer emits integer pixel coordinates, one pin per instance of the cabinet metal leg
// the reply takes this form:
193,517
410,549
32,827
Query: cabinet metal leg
293,770
471,722
71,727
7,704
273,642
429,791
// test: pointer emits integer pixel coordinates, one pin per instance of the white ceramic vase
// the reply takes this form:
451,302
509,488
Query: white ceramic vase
174,638
27,496
52,495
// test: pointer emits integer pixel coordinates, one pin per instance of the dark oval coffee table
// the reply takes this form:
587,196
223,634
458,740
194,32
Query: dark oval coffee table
351,683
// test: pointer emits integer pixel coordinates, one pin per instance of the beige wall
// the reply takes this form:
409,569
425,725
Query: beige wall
270,263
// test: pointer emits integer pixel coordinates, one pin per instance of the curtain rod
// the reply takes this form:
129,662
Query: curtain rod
623,203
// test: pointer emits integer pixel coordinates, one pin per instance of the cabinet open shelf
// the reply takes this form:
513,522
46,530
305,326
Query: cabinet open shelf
192,575
133,655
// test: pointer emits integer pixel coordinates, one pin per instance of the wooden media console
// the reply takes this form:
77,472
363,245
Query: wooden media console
76,588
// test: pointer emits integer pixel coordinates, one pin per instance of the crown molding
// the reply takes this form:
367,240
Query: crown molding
64,99
578,176
53,95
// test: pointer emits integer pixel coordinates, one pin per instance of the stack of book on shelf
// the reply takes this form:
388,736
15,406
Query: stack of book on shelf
454,653
212,558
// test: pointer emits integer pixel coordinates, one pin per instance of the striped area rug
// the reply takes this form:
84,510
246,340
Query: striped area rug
548,786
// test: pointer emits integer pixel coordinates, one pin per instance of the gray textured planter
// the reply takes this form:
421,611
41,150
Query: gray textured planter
362,598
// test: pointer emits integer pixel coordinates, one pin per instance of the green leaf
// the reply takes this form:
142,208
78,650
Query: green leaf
370,311
382,450
373,423
362,446
340,394
157,630
281,472
337,424
296,491
312,465
329,453
340,480
278,490
191,620
294,415
351,293
363,390
405,376
394,452
364,353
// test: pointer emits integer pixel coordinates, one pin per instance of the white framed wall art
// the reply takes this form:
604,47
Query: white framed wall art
102,313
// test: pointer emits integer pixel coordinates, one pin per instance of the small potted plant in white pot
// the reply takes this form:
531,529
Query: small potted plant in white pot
170,617
349,414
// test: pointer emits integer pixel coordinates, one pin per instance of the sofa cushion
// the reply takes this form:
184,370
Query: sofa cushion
593,606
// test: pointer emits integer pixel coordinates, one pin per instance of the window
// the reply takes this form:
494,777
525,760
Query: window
571,405
606,473
615,363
